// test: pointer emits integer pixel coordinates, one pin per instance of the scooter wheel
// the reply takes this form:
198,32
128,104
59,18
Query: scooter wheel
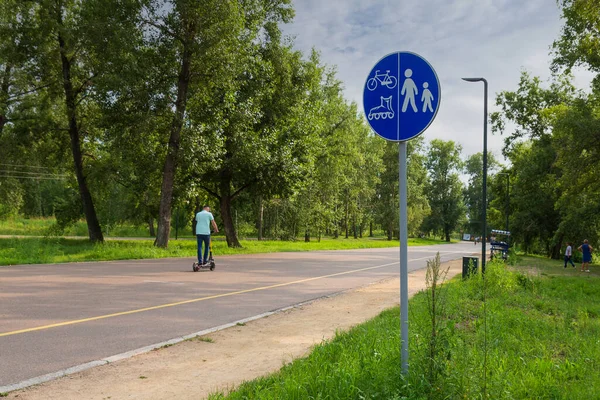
195,267
212,266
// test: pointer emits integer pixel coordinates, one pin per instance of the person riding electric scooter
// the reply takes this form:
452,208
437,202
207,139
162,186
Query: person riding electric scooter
204,220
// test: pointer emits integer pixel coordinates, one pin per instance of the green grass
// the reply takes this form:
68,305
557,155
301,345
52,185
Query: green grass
55,250
42,227
543,342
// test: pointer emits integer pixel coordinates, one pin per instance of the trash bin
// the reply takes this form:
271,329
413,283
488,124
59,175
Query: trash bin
469,266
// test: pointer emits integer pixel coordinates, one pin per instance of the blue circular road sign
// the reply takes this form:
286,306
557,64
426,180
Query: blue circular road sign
401,96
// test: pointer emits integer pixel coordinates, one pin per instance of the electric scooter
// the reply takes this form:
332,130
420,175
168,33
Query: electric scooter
211,261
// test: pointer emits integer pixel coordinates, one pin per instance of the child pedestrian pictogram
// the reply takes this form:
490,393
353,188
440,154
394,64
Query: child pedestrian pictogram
427,98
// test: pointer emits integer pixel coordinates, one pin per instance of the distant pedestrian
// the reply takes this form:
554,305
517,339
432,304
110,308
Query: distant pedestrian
586,251
569,254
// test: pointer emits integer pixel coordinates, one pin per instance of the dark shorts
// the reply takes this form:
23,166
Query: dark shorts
587,259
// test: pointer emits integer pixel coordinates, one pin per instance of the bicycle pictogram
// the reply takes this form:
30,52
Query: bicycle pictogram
384,79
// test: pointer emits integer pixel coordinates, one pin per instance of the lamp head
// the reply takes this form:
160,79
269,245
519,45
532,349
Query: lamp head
472,79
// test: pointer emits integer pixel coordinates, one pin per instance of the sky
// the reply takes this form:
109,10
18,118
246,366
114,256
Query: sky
495,39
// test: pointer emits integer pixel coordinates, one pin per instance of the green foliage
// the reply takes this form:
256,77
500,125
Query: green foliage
554,148
386,200
436,308
11,197
176,103
444,189
473,193
579,43
554,153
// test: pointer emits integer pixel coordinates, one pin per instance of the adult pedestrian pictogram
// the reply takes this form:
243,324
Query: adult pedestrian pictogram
401,102
409,91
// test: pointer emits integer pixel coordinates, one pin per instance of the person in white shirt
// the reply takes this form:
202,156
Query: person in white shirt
204,219
569,254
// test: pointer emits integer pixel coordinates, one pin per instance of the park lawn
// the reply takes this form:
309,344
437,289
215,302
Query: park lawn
543,342
57,250
43,226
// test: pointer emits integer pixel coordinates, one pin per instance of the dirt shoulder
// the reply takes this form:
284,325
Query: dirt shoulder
193,369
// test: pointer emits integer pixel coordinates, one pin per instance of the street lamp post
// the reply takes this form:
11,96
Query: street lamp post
484,200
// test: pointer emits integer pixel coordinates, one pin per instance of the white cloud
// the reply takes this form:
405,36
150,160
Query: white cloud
495,39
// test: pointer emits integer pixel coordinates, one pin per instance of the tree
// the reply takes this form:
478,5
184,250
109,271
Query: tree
417,203
576,124
579,42
260,134
474,191
70,47
195,41
534,189
576,143
445,188
387,190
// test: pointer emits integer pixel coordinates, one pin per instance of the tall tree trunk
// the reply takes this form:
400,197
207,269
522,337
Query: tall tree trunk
447,234
346,217
94,230
197,209
170,167
371,229
151,227
230,234
225,207
261,210
4,86
555,254
306,236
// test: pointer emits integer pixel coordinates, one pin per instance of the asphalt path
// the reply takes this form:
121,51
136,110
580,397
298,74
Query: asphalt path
56,316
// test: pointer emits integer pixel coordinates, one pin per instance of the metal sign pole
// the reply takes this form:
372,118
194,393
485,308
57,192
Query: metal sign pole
399,105
403,234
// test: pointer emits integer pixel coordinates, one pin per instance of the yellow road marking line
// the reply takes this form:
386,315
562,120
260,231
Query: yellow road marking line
99,317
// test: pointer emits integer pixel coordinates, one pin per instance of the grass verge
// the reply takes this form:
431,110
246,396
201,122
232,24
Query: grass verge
543,342
42,227
55,250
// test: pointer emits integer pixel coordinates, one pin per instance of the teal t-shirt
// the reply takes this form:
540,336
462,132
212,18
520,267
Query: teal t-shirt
203,219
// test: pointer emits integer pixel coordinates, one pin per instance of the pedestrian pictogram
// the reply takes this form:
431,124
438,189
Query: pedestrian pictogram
409,91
